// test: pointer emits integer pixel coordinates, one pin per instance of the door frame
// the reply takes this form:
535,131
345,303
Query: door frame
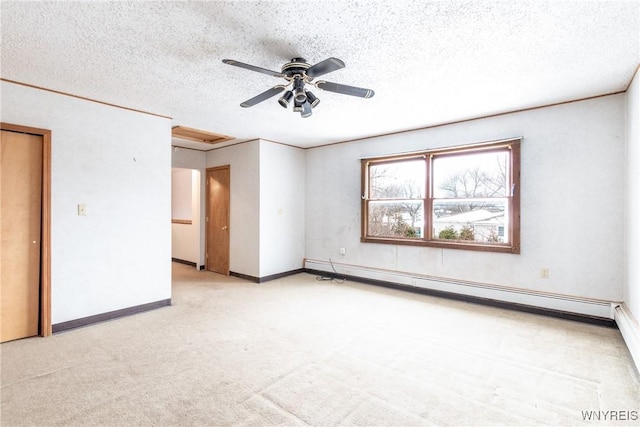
207,206
45,249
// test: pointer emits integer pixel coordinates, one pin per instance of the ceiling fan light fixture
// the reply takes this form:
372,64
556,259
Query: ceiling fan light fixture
301,97
306,110
298,90
285,99
297,106
313,100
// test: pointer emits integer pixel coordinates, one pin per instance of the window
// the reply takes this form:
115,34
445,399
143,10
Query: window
464,197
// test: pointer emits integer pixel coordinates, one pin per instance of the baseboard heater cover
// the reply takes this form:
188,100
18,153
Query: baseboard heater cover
630,331
103,317
576,308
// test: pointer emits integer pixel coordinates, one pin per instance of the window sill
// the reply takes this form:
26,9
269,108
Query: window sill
443,244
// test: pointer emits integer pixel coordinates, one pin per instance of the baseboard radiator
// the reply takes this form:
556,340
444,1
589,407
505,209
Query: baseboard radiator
594,308
630,330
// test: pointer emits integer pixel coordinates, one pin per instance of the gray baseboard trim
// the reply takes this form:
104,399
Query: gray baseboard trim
181,261
86,321
245,277
266,278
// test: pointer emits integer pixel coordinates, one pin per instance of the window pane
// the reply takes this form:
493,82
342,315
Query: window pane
471,175
398,180
477,220
396,219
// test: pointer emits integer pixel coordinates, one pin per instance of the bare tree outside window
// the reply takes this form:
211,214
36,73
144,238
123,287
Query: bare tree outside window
397,191
470,196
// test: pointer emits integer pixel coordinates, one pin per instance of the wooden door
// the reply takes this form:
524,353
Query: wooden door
20,221
217,219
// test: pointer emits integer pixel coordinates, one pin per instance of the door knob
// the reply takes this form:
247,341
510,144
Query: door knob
225,227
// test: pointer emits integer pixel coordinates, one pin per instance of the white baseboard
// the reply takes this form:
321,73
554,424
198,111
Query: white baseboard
544,300
630,330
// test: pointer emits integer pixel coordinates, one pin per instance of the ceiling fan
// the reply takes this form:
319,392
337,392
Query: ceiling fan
299,73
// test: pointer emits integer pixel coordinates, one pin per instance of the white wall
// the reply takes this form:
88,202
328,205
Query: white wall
195,160
282,200
571,204
185,205
118,163
632,225
181,194
267,206
244,230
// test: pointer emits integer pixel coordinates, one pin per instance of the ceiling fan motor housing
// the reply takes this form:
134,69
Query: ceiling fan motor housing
297,66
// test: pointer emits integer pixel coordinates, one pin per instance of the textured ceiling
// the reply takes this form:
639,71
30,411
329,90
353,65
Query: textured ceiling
429,62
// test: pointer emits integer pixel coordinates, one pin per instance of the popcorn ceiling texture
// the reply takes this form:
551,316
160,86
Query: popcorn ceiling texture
429,62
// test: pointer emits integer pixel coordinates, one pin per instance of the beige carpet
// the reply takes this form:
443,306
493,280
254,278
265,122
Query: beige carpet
298,351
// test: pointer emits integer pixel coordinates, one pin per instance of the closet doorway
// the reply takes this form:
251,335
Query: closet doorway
25,266
217,219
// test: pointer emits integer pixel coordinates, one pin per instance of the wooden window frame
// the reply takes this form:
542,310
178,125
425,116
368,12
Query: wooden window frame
513,199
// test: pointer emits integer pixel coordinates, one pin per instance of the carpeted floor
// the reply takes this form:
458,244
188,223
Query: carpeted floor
298,351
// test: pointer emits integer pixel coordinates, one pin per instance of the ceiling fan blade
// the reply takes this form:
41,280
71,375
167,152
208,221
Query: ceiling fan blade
324,67
345,90
263,96
253,68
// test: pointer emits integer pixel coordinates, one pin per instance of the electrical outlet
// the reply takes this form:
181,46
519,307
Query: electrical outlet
544,273
343,251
